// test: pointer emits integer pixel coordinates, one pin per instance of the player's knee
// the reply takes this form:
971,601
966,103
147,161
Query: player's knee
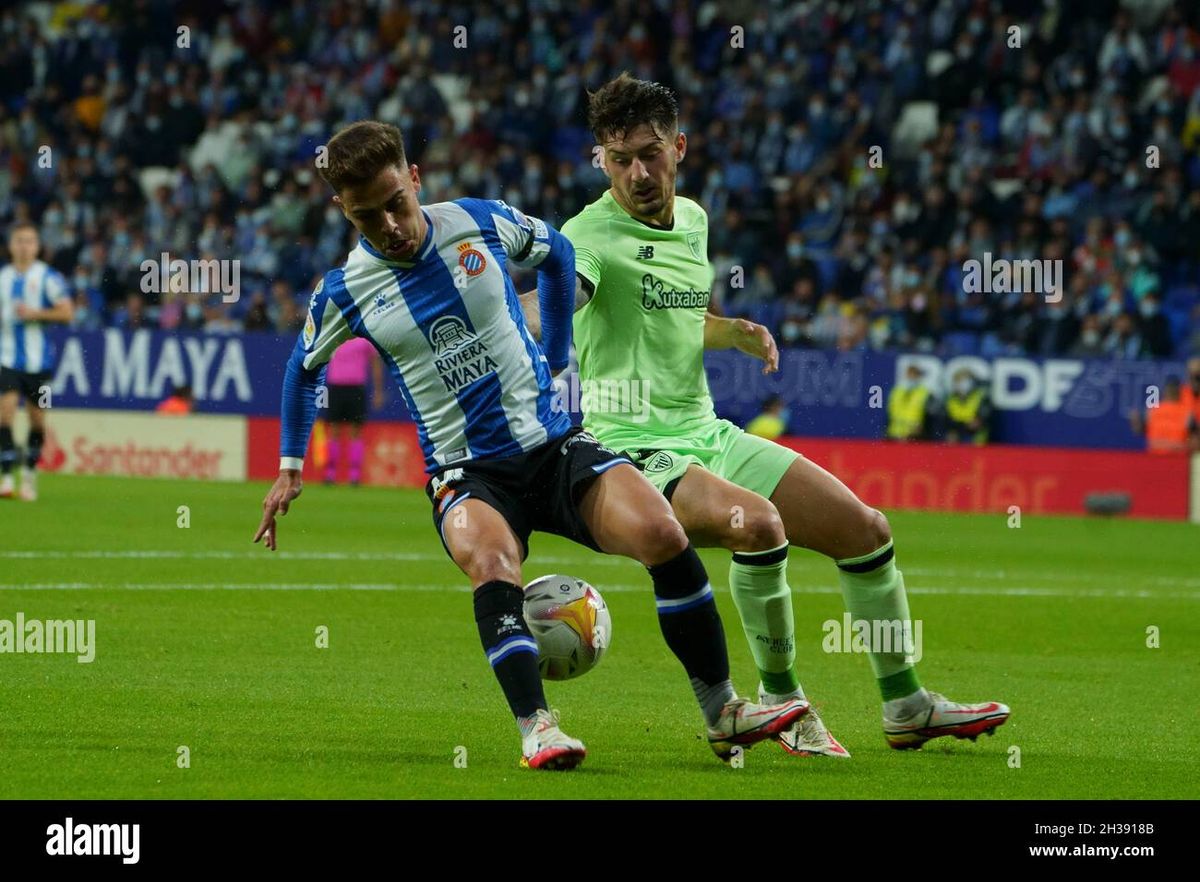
757,530
660,540
875,529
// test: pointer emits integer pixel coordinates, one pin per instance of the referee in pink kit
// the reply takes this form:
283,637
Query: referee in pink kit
346,378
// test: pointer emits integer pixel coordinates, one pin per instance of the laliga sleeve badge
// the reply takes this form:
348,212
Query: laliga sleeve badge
310,331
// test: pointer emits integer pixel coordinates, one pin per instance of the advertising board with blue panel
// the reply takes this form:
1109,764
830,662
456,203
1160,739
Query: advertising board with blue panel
1056,402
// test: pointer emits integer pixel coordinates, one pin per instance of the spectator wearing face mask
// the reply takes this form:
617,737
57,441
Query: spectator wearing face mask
1090,343
193,314
1155,330
1123,341
1057,329
968,410
89,301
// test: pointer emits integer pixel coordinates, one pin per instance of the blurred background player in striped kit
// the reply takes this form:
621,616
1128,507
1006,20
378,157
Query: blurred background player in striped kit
346,380
31,293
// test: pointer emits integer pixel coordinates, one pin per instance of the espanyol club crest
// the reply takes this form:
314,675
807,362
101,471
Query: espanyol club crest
470,259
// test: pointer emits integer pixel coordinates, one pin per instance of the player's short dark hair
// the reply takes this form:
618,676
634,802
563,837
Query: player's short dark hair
361,151
621,105
21,225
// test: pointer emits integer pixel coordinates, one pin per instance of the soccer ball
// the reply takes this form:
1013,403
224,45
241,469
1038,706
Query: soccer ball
571,624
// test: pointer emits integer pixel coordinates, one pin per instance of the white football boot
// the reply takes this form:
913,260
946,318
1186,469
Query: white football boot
744,723
808,736
28,485
548,747
941,716
7,486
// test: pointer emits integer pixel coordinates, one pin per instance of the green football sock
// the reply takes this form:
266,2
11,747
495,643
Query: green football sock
758,581
873,590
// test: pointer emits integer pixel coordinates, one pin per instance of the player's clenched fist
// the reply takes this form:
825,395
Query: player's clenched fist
286,488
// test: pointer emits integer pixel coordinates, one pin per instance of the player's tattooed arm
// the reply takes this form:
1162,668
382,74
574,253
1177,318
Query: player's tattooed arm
743,335
533,314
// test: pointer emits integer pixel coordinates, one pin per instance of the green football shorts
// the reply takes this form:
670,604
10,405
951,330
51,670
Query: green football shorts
724,449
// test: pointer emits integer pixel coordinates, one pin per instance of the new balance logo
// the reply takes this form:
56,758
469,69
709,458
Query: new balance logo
645,252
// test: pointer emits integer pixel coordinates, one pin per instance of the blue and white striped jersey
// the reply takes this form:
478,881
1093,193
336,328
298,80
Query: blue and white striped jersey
24,345
449,326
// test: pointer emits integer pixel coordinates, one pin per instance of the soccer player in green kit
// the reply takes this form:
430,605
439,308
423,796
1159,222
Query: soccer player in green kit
641,327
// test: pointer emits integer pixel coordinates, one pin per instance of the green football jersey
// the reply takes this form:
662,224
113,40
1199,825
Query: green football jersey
640,340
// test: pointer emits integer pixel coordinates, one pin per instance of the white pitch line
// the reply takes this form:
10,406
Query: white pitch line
935,573
595,560
218,555
220,586
263,554
1010,591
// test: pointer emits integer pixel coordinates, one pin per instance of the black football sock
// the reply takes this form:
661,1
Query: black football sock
33,447
691,625
509,644
8,450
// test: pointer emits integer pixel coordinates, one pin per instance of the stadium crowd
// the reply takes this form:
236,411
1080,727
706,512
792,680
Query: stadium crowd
192,128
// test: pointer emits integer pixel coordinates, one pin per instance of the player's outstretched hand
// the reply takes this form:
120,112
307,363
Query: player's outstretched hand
754,339
286,488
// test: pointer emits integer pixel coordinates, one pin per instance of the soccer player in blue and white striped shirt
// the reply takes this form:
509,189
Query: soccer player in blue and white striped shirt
428,286
31,294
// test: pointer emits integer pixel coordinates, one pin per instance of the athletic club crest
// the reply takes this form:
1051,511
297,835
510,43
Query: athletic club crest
661,461
470,259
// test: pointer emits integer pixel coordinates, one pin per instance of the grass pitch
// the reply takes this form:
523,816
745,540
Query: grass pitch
206,642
